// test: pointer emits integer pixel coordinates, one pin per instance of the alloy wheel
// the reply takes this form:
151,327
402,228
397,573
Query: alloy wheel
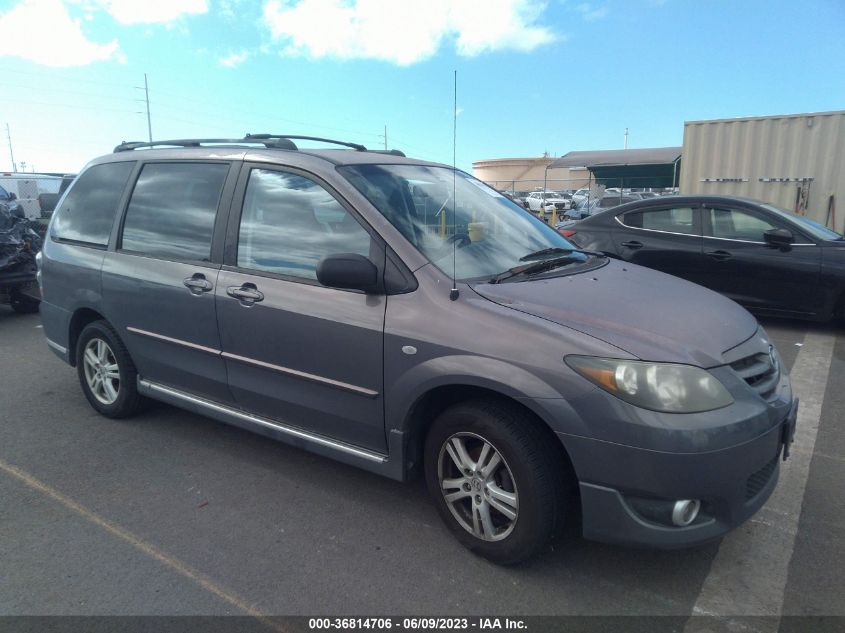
101,371
478,486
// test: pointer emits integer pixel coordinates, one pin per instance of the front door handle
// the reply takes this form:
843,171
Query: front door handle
633,244
247,293
197,284
719,255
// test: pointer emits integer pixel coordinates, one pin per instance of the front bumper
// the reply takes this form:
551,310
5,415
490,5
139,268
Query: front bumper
732,484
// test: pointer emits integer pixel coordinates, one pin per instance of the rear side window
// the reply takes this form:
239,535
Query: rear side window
674,220
172,210
88,211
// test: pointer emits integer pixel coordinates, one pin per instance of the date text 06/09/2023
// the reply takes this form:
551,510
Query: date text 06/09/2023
417,624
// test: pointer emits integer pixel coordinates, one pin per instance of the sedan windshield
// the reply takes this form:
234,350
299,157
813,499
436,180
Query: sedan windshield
440,210
815,229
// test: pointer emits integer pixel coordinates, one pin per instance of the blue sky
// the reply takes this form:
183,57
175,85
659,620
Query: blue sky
532,76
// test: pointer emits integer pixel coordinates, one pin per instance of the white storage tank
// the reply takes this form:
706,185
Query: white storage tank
795,161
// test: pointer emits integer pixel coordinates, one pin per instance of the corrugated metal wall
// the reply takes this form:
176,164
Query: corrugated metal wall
737,156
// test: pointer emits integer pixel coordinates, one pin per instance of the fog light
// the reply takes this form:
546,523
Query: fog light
685,511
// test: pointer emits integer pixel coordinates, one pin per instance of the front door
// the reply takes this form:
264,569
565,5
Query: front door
741,265
296,351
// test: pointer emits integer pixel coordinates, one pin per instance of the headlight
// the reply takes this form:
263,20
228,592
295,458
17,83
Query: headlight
658,386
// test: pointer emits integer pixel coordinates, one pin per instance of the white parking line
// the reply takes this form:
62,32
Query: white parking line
141,545
748,575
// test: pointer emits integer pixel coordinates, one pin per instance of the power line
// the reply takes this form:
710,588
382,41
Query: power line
59,77
69,105
66,91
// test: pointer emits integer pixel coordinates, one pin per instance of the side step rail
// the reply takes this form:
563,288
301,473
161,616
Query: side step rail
390,465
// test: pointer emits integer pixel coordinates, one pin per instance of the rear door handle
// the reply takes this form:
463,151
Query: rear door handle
247,293
197,284
633,244
719,255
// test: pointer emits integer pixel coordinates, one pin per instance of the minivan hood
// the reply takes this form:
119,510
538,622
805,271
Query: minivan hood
649,314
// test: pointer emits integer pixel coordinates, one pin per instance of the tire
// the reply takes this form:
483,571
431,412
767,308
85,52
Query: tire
115,394
530,471
23,304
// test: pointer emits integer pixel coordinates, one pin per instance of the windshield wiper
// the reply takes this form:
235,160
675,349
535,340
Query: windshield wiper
557,250
536,267
554,250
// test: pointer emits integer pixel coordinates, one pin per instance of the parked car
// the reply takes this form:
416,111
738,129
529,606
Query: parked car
596,205
767,259
521,197
303,294
580,195
47,201
547,201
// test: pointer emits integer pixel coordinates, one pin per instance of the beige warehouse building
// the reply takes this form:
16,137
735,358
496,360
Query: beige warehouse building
794,161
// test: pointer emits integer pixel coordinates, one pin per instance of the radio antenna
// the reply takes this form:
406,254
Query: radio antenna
453,293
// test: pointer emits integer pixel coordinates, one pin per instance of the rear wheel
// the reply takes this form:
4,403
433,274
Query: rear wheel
106,372
495,479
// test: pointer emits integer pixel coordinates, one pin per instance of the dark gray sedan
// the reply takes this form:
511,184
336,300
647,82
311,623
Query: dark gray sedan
767,259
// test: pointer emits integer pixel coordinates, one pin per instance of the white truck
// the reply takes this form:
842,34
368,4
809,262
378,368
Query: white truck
26,188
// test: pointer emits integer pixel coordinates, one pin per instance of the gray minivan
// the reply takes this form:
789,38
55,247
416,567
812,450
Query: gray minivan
402,316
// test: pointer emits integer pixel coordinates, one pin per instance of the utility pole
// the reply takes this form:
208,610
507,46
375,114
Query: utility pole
385,137
146,90
150,125
11,153
626,138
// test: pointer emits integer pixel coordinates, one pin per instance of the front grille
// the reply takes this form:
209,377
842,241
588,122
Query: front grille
760,371
757,481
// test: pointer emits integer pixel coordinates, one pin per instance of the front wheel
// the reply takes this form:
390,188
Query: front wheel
495,479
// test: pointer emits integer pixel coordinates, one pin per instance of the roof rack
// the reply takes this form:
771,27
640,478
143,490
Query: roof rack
272,137
392,152
272,141
276,143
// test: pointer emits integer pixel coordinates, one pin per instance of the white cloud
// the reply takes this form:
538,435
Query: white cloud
406,31
235,59
152,11
42,31
590,12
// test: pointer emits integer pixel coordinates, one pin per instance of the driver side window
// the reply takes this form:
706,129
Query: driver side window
733,224
289,222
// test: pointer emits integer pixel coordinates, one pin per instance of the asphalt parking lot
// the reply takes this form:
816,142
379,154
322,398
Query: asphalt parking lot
172,513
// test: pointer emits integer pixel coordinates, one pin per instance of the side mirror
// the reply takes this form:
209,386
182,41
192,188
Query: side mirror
778,238
12,196
348,270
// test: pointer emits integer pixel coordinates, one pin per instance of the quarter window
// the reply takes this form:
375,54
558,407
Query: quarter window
172,210
733,224
87,213
672,220
290,222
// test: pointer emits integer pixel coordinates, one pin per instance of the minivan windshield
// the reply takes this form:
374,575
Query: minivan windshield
439,210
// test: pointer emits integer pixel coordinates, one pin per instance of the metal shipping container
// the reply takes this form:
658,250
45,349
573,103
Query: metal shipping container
794,161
